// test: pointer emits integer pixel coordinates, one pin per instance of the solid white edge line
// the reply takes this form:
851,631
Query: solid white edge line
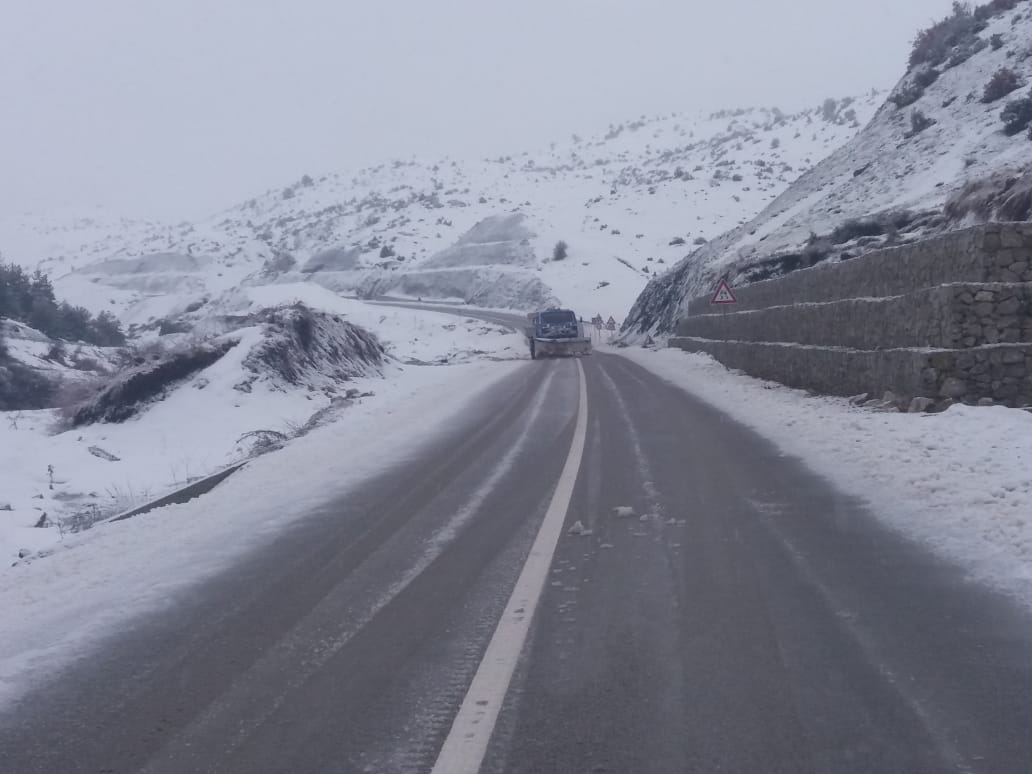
466,745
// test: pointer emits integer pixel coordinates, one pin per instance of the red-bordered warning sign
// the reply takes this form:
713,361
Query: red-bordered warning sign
724,294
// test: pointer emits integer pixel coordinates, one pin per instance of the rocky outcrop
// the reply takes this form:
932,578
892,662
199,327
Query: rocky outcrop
313,349
333,259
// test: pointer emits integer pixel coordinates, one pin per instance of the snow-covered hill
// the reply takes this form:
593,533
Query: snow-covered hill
283,360
937,155
626,202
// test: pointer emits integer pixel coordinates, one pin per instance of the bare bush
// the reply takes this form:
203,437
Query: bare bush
1003,82
73,393
1017,115
918,123
855,228
935,44
910,92
999,197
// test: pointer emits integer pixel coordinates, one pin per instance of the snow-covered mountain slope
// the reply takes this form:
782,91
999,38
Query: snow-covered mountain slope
626,202
936,156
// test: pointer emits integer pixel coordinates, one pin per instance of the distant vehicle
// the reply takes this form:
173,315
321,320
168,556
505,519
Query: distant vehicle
556,333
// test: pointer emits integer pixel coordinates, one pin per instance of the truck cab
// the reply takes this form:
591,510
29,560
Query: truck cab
555,333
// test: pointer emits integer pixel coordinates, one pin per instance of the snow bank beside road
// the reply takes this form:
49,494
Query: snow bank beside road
118,571
407,334
960,481
196,429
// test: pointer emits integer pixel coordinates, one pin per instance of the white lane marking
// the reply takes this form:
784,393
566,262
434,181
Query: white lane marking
307,649
466,745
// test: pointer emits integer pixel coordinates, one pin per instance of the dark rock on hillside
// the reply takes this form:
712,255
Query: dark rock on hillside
302,346
333,259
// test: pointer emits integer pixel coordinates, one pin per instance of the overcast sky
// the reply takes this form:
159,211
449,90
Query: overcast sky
177,108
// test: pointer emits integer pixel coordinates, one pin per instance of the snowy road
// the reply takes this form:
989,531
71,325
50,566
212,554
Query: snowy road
722,609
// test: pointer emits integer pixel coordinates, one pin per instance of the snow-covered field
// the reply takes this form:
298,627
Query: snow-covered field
196,430
959,481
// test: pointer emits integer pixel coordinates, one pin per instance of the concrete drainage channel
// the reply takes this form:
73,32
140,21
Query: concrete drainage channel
187,493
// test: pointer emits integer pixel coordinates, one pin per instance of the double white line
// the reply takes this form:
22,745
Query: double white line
466,745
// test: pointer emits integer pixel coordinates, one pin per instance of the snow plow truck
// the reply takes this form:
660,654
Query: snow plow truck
556,333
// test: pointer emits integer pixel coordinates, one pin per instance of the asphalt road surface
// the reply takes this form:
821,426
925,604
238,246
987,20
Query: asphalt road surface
721,610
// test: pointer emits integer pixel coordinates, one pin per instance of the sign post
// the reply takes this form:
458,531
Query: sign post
723,297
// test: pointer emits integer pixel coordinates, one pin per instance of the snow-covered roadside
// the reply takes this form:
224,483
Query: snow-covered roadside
96,581
196,429
407,334
960,481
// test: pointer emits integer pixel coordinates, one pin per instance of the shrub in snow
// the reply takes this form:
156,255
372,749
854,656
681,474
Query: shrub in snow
280,262
935,44
918,123
301,346
994,8
1017,115
22,387
1003,82
925,77
996,41
82,362
559,252
999,197
965,51
829,109
854,228
56,353
907,94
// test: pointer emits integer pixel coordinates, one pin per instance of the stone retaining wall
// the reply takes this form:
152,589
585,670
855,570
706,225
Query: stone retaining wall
996,252
947,318
959,315
1002,372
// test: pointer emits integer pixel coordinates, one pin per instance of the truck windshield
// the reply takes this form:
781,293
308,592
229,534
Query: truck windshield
554,318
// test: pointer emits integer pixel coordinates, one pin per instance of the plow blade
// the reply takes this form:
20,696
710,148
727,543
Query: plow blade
561,347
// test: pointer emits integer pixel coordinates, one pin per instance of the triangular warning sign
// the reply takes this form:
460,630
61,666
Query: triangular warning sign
724,294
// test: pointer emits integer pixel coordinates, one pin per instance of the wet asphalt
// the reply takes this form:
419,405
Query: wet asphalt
729,611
